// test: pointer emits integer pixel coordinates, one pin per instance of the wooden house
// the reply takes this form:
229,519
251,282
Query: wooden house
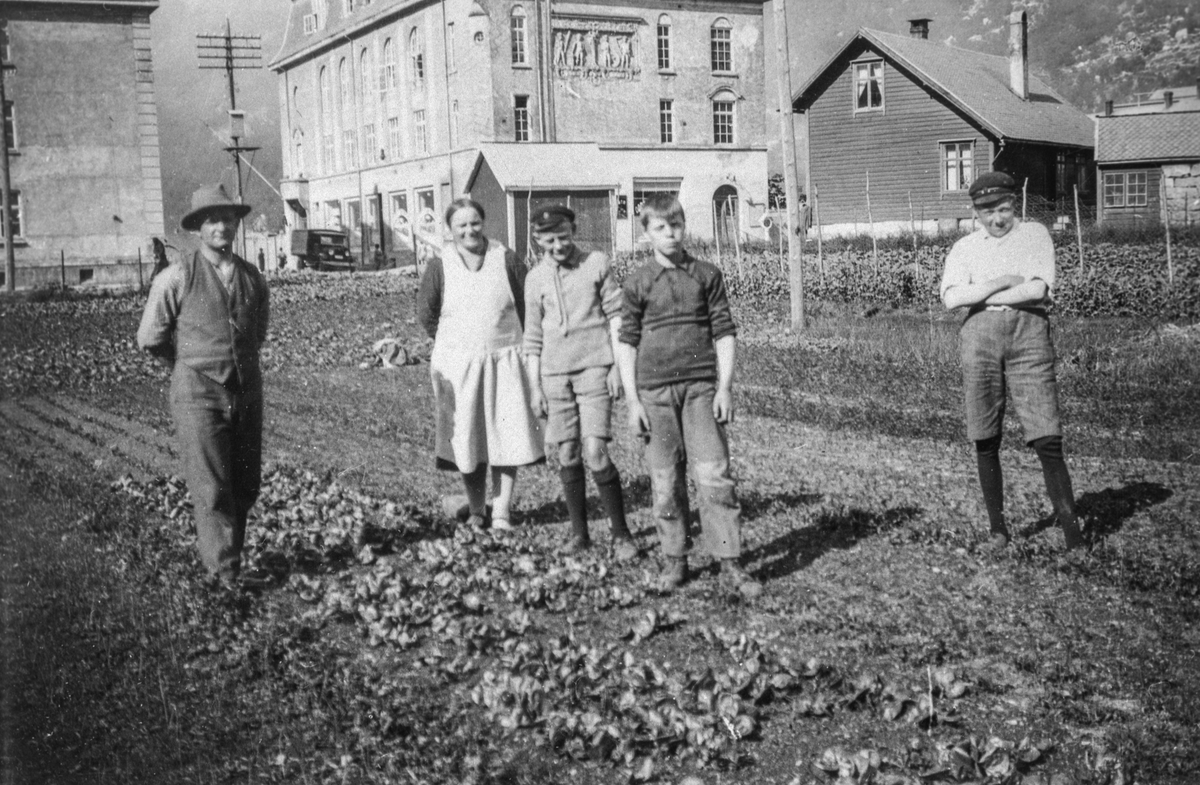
1148,157
899,126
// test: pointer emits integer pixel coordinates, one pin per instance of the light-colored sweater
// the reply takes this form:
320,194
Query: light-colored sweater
567,310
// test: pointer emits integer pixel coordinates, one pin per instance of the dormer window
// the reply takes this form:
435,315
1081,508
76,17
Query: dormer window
868,86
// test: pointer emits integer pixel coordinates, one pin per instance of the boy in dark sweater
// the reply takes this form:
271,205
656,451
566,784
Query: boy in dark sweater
678,344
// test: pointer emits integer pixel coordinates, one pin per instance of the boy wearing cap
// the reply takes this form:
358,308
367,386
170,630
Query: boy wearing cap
678,344
572,320
1003,273
205,319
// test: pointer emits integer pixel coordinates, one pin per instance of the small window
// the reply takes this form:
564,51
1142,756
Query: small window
420,141
666,121
721,37
15,213
521,118
310,24
868,86
519,47
664,43
1125,189
723,124
86,274
958,165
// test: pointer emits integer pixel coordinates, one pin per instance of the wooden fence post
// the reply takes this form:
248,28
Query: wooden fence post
141,283
817,222
62,266
871,223
1024,197
1166,212
1078,230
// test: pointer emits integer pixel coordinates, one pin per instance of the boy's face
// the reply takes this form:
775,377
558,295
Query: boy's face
557,243
666,236
997,218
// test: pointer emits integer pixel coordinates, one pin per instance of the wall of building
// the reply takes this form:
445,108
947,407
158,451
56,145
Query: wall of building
1133,215
87,161
900,147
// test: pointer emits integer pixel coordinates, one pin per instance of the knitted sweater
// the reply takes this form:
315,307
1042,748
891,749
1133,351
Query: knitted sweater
567,310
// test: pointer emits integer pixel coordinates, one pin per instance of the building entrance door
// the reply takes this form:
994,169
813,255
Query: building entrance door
725,216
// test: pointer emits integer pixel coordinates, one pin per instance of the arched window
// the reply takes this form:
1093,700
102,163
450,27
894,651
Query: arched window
345,85
365,73
389,65
520,50
721,38
724,104
325,107
416,53
664,43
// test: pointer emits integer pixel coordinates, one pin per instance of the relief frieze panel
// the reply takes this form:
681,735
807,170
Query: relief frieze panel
596,48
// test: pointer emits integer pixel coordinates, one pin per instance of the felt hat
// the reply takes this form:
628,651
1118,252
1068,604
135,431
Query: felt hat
546,218
207,198
990,188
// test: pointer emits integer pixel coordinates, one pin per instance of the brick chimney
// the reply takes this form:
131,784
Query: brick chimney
919,28
1108,107
1018,54
1168,99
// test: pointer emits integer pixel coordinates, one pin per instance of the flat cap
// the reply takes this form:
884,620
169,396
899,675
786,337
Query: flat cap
990,188
550,217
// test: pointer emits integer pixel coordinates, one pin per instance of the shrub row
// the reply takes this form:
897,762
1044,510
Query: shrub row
1115,279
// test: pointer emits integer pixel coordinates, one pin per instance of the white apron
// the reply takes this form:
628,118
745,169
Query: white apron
480,388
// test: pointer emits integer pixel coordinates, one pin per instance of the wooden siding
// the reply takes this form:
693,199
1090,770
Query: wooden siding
1150,213
899,146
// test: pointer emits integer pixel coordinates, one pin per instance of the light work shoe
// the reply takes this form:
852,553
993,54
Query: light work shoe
735,580
625,549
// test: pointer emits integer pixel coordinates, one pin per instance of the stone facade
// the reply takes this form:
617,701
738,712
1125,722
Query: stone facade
391,109
86,157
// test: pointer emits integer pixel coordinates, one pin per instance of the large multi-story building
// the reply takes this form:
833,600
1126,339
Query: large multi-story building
392,108
83,139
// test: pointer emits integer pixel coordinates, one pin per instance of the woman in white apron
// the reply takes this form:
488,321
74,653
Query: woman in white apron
472,304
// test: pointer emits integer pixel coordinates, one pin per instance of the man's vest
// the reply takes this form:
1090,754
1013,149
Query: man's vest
216,333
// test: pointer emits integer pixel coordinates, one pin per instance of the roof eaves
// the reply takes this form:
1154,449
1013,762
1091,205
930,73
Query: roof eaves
331,39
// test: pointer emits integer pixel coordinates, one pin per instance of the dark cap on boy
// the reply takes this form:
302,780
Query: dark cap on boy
990,188
551,217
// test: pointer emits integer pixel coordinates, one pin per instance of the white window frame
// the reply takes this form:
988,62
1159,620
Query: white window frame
720,46
663,43
395,139
349,149
518,33
724,105
420,135
957,157
1118,190
310,24
865,71
666,120
416,55
369,149
521,119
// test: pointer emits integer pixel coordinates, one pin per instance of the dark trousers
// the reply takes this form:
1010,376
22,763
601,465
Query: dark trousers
219,432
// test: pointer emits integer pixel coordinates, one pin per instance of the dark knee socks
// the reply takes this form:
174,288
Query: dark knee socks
991,480
1049,451
608,482
574,483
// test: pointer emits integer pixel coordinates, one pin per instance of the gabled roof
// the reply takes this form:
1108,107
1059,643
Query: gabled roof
564,165
973,82
1165,136
337,24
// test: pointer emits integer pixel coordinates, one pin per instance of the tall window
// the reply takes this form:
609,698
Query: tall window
666,121
958,164
350,149
664,43
451,65
519,48
394,141
521,118
298,157
10,125
321,12
721,38
327,153
416,53
16,213
868,86
420,143
389,65
1125,189
345,85
369,151
722,109
365,74
325,109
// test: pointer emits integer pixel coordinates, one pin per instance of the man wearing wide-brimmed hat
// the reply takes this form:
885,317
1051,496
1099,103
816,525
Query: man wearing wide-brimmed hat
1003,273
206,318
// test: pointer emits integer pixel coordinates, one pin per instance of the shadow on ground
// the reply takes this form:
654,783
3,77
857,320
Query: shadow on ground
1105,512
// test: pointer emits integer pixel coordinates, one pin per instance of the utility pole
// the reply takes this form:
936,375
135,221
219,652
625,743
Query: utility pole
783,66
228,52
10,258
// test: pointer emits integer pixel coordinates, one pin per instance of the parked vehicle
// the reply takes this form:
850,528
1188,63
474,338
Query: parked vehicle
322,249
